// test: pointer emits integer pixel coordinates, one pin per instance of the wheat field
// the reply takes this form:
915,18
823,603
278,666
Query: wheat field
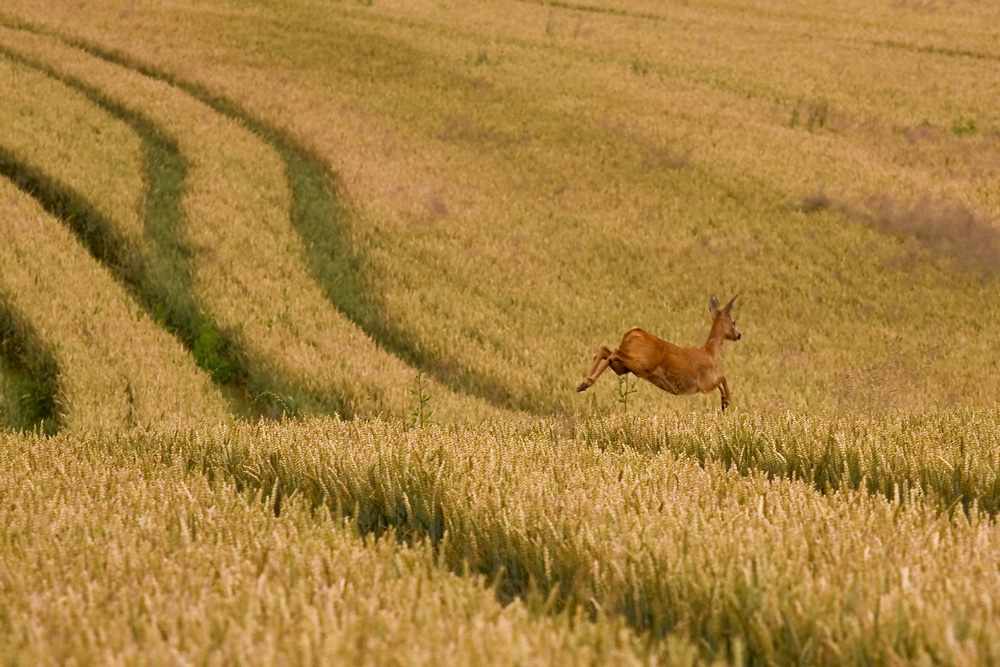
294,298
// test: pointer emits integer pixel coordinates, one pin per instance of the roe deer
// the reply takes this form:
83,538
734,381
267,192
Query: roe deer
679,370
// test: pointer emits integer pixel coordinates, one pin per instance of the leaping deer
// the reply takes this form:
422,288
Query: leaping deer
679,370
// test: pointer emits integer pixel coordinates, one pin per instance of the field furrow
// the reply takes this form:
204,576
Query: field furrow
248,265
117,184
17,393
102,179
84,338
28,378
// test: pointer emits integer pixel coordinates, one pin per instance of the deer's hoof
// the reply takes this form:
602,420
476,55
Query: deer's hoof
584,385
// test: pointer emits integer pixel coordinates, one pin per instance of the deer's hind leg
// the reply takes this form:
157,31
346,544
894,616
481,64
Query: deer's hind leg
601,361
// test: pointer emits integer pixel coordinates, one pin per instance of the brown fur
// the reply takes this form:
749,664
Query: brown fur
678,370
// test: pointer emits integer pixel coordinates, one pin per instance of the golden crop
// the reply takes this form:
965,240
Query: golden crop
303,289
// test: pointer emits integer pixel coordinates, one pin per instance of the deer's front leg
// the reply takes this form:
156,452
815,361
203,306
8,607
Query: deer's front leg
724,389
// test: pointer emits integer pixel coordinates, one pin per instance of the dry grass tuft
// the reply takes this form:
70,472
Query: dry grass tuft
947,228
816,201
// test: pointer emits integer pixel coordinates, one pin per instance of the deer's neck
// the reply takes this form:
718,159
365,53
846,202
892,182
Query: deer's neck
715,337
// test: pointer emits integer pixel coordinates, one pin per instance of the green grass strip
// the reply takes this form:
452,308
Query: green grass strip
30,375
161,283
323,222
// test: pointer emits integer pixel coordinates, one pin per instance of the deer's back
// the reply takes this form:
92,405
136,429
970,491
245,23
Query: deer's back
653,355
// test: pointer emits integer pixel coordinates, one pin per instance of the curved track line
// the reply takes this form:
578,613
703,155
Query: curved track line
248,263
48,133
29,377
110,363
331,258
144,255
172,255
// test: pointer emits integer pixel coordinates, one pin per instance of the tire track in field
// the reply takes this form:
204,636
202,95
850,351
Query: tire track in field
105,366
300,383
145,277
20,344
33,374
332,261
176,313
84,346
216,347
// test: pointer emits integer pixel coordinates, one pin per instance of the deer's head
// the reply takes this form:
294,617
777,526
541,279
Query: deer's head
722,318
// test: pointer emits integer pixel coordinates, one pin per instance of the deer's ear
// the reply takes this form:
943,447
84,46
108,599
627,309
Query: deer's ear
713,305
729,306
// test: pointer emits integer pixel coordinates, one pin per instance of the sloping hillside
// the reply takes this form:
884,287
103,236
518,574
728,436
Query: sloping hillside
526,180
